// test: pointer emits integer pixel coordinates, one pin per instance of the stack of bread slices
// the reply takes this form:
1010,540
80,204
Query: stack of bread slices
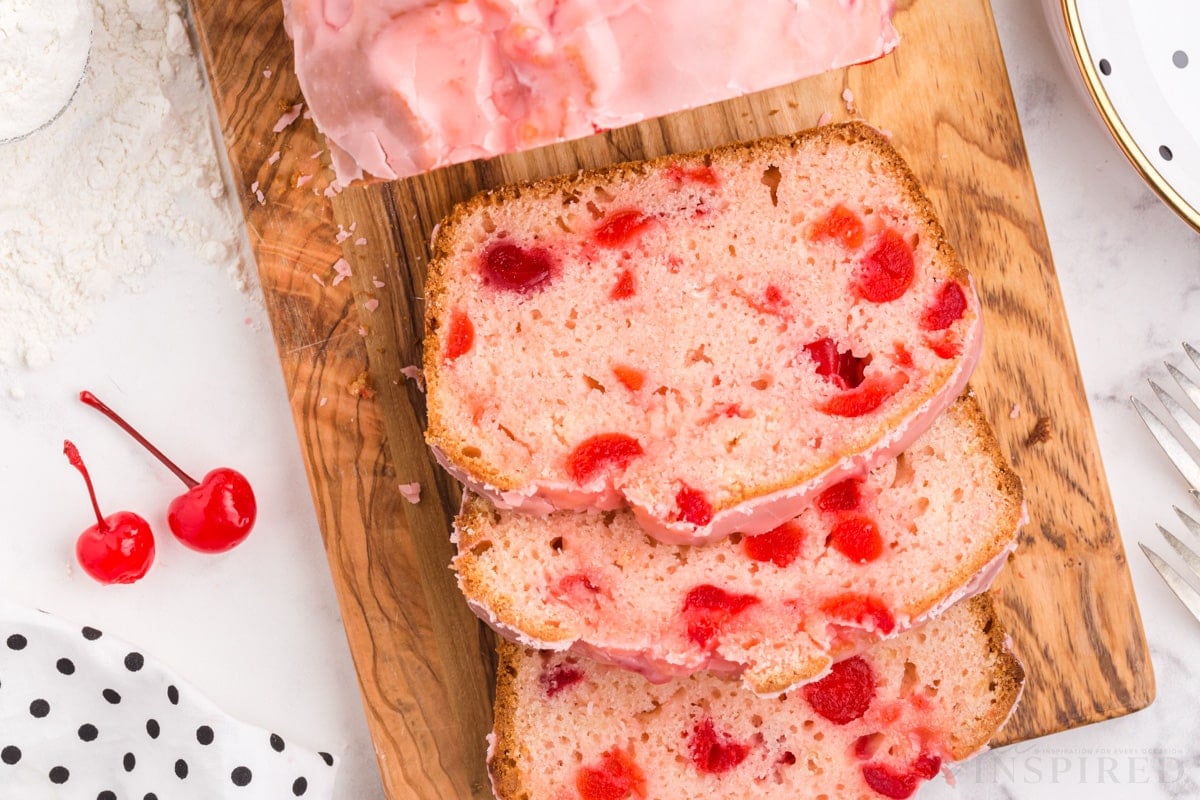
728,495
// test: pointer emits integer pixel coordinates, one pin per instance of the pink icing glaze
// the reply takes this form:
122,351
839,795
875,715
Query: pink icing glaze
400,87
757,515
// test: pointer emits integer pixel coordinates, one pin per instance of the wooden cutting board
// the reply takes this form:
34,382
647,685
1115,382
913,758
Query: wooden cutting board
424,663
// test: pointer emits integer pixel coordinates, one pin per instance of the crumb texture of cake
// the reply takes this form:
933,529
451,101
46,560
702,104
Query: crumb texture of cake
708,338
400,87
877,727
867,559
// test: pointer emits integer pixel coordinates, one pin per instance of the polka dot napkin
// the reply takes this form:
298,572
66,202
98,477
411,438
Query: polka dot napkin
85,715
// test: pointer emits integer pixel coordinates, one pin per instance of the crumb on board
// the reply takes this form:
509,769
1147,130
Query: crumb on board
342,268
1042,431
360,387
362,330
848,99
371,305
274,157
289,116
1015,411
378,283
323,401
414,374
824,119
360,241
317,278
410,492
302,179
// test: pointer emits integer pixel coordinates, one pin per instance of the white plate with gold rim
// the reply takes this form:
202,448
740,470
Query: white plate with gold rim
1140,64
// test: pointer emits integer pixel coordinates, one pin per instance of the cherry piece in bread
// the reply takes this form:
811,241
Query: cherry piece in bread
214,514
119,548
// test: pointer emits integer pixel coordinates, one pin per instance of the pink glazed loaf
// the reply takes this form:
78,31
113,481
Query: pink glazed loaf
400,87
877,727
868,558
709,338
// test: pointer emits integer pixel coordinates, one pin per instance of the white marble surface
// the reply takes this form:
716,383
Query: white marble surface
258,629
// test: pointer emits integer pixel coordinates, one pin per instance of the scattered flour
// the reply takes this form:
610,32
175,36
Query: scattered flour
130,166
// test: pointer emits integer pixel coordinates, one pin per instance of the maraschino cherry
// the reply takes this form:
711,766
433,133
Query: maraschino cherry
214,514
119,548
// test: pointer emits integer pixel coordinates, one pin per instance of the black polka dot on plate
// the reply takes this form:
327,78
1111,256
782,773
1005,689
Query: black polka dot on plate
91,634
129,762
327,758
150,796
66,666
10,755
1179,59
87,732
134,662
1165,152
173,695
152,728
107,795
299,787
16,642
204,734
112,696
241,776
1105,67
277,743
60,775
39,708
181,769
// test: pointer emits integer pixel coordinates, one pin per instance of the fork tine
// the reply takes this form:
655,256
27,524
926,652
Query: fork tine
1179,456
1192,525
1193,354
1185,421
1175,582
1186,553
1195,495
1185,383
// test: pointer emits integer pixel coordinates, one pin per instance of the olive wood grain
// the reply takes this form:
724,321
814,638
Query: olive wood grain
424,663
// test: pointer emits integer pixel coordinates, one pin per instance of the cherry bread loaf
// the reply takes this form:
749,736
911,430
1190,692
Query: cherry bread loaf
400,87
879,725
868,558
709,338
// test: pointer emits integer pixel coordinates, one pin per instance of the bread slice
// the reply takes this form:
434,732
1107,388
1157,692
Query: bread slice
868,558
709,338
884,722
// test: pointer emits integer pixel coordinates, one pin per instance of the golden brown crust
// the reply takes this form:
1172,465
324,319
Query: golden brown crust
504,758
1005,682
855,134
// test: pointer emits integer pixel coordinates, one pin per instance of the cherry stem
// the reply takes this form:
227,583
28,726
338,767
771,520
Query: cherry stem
87,398
72,454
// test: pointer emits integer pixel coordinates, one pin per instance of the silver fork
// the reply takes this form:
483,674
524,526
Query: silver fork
1187,465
